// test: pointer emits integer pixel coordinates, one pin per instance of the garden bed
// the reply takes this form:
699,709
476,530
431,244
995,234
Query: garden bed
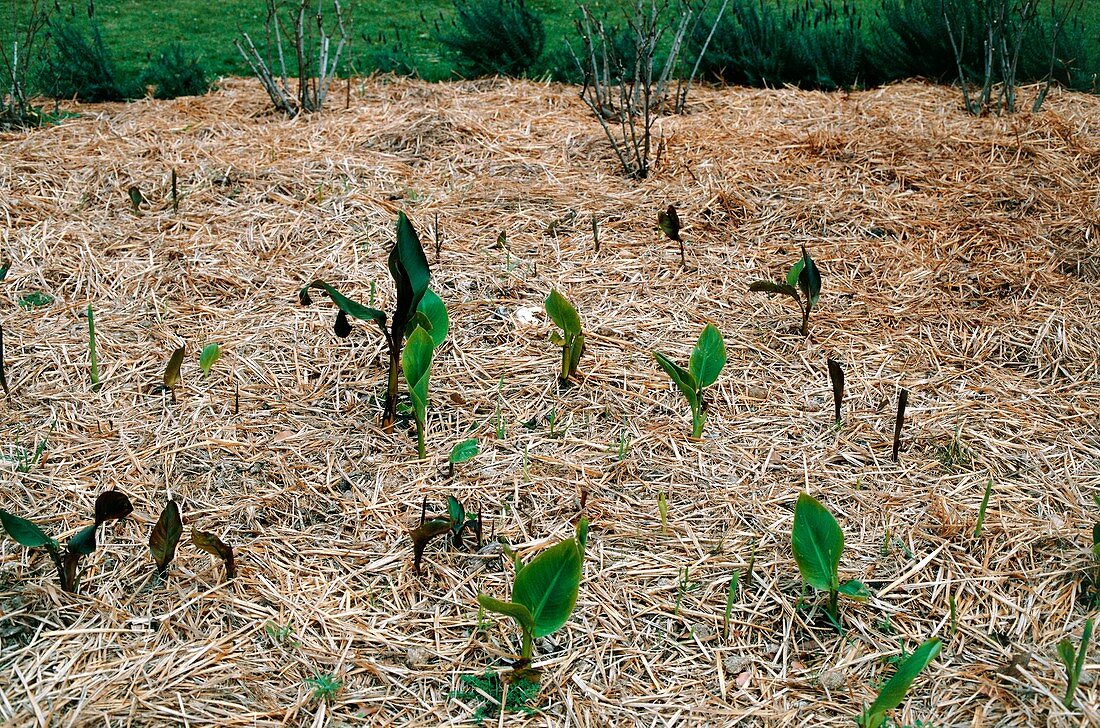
958,258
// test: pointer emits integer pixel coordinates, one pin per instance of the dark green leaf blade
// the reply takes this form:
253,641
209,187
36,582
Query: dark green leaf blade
681,377
214,546
795,272
416,361
23,531
345,304
669,222
455,511
83,542
562,313
708,357
112,505
817,542
836,376
409,269
893,692
809,279
165,535
464,451
518,612
432,317
548,586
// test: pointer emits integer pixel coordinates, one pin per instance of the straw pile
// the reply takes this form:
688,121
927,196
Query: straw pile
959,261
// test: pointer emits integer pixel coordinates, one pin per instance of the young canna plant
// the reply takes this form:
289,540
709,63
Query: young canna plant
893,692
209,356
571,338
416,306
707,360
455,522
165,536
807,278
669,222
544,590
214,546
817,542
108,506
1074,662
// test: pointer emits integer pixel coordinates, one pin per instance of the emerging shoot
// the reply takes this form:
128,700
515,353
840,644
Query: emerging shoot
836,376
893,692
817,542
669,222
899,422
571,338
805,276
416,361
1074,663
94,363
210,355
707,360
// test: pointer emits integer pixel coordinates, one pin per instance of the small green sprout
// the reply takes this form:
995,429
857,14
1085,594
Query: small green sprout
490,691
109,506
455,522
669,222
893,692
544,591
571,338
807,278
731,595
981,509
214,546
817,542
416,362
280,634
172,371
707,360
662,510
35,299
91,351
1074,663
210,355
325,686
461,452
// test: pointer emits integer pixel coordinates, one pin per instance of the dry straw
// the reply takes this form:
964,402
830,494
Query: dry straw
958,257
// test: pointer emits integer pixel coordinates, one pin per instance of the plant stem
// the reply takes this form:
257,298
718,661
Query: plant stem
420,449
833,612
566,349
528,638
389,408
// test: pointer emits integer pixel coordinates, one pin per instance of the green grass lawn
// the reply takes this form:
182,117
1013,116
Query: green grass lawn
134,30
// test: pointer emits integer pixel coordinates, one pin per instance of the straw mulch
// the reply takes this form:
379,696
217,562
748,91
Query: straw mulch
959,261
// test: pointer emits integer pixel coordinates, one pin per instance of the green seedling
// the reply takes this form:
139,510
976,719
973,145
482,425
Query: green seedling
165,536
416,307
571,338
214,546
280,634
325,686
836,377
544,591
108,506
817,542
669,222
454,522
803,274
513,694
899,422
136,198
210,355
416,361
981,510
683,586
662,510
893,692
3,375
1074,663
705,365
624,447
461,452
24,461
91,350
731,595
172,371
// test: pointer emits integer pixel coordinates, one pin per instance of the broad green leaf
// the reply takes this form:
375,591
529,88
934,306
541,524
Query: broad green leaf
83,542
172,371
563,314
416,361
214,546
855,589
432,317
345,304
518,612
708,357
464,450
548,586
817,542
681,377
769,287
165,535
409,269
423,534
24,532
794,272
455,510
210,354
111,505
809,279
893,692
